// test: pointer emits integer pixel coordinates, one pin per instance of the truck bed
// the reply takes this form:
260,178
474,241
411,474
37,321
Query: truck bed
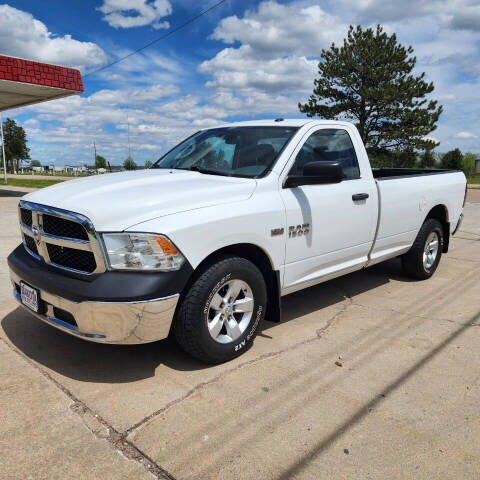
387,173
407,199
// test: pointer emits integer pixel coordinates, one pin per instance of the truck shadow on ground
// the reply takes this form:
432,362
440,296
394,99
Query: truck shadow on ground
92,362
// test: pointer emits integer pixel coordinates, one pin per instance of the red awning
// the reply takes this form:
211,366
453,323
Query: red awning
23,82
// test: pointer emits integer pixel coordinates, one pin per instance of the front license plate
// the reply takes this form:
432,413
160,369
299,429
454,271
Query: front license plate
29,296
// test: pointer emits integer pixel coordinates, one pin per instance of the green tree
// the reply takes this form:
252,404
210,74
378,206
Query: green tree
468,164
406,158
129,164
427,160
452,159
370,81
100,162
35,163
393,158
16,149
148,164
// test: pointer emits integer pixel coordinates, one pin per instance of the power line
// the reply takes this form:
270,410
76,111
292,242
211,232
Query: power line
163,37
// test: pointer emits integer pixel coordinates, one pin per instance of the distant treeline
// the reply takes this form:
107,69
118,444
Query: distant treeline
410,159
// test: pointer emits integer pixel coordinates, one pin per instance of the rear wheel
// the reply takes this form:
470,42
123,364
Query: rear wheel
423,258
219,316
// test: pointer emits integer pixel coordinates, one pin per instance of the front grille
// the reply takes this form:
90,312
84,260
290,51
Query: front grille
31,245
63,227
72,258
26,216
60,238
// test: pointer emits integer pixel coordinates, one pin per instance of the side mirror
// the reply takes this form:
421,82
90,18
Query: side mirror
316,173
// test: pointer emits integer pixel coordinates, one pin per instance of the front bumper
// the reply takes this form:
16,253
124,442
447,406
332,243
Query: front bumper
105,322
112,307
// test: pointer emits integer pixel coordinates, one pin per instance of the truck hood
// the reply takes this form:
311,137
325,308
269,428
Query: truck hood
117,201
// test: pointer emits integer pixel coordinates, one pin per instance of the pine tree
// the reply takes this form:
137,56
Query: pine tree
369,80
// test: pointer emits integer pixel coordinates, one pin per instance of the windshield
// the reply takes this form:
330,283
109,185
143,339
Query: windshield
234,151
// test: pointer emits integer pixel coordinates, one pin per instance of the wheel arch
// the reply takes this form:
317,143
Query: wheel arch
440,212
260,259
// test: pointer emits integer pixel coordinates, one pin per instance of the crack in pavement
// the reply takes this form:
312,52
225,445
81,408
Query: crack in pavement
413,315
100,428
349,302
318,334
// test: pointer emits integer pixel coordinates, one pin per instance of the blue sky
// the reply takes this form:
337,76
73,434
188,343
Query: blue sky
246,59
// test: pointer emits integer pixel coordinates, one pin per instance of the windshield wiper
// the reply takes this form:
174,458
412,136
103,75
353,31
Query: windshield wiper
196,168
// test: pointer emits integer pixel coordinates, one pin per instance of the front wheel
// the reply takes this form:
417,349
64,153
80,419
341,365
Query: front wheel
219,316
423,258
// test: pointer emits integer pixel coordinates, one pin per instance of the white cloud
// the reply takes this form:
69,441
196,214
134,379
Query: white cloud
385,11
63,131
276,29
147,68
277,43
136,13
466,135
241,69
132,96
116,77
21,35
467,18
460,14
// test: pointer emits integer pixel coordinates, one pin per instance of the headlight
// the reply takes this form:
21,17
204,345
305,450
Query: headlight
141,251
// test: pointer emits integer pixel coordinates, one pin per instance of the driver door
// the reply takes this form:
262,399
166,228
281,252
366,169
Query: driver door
329,233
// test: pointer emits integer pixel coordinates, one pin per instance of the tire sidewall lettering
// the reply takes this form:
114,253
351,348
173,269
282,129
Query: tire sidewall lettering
214,290
258,317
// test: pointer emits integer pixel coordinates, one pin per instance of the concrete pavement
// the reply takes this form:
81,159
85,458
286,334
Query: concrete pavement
368,376
473,195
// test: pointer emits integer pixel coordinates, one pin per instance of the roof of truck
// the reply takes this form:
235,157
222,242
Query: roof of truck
281,122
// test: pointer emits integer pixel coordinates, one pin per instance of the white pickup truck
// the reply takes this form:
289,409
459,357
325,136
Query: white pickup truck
206,242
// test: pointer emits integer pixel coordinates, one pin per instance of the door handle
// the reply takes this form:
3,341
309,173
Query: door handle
359,196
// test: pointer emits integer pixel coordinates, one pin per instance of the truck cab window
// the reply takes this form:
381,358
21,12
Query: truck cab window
329,145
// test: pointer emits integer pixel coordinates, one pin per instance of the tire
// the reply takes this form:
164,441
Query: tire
197,322
414,263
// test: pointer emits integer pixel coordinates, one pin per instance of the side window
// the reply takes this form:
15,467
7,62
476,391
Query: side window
329,145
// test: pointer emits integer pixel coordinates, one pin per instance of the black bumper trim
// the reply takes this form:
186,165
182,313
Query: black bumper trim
110,286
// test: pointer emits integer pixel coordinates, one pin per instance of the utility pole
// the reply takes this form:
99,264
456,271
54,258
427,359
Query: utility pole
128,133
3,151
94,153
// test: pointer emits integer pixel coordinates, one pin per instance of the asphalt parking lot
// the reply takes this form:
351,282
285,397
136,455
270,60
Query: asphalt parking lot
370,376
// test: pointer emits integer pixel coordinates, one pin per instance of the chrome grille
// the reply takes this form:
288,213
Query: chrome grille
71,258
60,238
63,228
30,244
26,216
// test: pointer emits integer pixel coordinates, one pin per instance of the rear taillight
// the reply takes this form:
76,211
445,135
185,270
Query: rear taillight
465,196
